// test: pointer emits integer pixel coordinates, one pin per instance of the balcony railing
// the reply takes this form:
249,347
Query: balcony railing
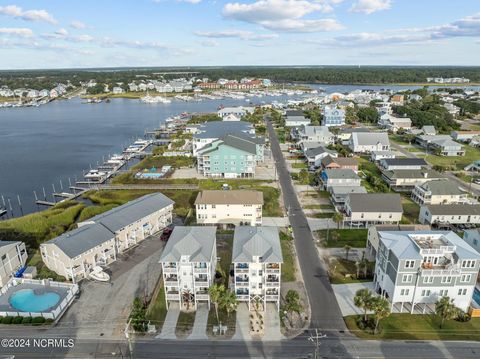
241,284
272,284
200,270
242,296
272,270
271,297
170,269
201,296
240,279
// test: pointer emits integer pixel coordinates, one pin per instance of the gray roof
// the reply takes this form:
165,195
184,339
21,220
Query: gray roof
341,173
317,151
218,129
196,242
354,129
404,247
403,161
132,211
344,190
263,242
413,174
370,138
80,240
375,202
454,209
8,243
442,187
294,113
231,141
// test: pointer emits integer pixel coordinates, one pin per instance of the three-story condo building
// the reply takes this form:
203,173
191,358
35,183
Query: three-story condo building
415,269
257,260
13,256
188,265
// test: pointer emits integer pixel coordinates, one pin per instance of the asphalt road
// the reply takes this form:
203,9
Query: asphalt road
326,314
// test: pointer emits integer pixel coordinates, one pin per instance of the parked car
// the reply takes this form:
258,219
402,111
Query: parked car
166,234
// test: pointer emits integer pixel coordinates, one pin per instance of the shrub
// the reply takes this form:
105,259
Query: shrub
463,317
7,320
17,320
38,320
27,320
49,321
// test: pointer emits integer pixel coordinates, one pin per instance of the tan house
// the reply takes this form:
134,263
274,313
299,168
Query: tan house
99,240
13,256
231,207
340,162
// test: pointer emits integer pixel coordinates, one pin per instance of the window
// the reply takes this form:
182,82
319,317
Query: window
443,293
407,278
468,264
428,279
426,293
466,278
447,279
462,291
409,264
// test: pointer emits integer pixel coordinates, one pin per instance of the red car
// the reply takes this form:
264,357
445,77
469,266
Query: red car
166,234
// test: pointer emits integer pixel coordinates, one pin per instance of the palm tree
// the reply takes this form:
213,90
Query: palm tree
292,302
363,300
216,292
445,309
347,251
381,308
337,218
229,302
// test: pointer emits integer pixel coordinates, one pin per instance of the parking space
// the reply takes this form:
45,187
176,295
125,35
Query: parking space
345,294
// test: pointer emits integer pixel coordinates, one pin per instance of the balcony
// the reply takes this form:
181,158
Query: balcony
173,295
272,278
201,296
200,269
241,284
241,268
272,284
203,281
242,296
273,297
241,279
170,269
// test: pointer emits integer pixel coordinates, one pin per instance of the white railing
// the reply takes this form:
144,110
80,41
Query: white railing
242,296
201,296
173,297
170,269
200,270
441,272
272,284
272,270
271,297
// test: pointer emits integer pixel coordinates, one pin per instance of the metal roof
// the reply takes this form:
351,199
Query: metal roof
218,129
262,242
441,187
82,239
196,242
341,173
370,138
454,209
403,161
132,211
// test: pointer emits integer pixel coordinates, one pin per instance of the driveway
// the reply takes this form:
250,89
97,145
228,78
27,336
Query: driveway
272,324
345,294
200,324
242,327
326,313
102,309
170,323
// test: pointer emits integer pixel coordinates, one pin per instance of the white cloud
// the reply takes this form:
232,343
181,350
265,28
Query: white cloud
370,6
28,15
240,34
210,43
61,32
16,31
468,26
283,15
78,24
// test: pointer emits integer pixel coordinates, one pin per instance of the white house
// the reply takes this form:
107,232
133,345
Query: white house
188,265
415,269
446,214
339,177
319,134
257,260
392,123
366,142
13,256
232,207
373,208
295,118
441,191
333,116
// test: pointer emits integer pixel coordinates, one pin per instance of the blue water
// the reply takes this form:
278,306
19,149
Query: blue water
476,296
25,300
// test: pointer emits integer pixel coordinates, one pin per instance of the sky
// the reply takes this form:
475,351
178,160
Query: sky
116,33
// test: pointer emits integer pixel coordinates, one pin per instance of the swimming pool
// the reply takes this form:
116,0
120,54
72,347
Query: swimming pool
26,300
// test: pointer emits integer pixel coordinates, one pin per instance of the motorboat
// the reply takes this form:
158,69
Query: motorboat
98,274
95,175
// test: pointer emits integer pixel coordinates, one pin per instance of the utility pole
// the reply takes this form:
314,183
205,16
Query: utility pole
315,339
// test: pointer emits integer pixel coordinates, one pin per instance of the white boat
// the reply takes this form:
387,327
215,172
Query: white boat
155,99
97,273
95,175
141,142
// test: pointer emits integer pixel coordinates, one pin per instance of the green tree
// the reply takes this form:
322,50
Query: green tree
229,302
381,309
338,219
368,114
445,309
363,300
216,292
138,316
304,177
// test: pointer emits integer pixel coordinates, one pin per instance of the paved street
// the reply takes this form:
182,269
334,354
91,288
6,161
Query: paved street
326,314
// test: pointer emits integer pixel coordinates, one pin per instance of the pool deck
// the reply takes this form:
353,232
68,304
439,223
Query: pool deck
4,299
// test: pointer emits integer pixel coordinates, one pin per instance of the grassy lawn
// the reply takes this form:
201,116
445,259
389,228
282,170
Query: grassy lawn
92,211
398,139
338,238
288,266
224,319
414,149
318,206
459,162
184,199
342,271
299,165
159,161
157,310
419,327
324,194
185,324
321,215
411,210
224,251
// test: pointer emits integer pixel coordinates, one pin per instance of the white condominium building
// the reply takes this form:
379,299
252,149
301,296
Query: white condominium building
257,259
188,265
232,207
13,256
